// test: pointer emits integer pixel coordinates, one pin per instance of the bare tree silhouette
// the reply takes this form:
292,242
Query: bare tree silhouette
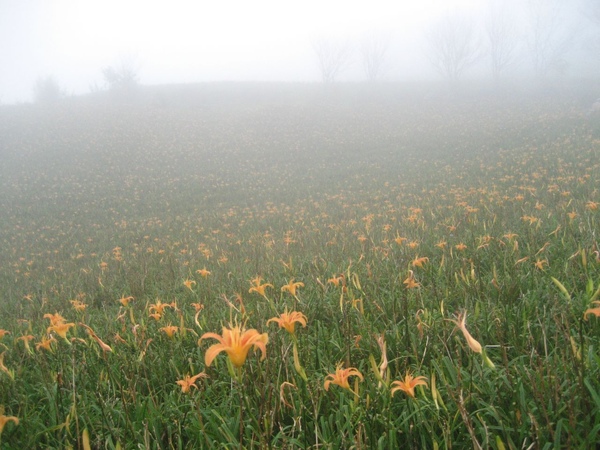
454,46
502,36
550,37
333,57
373,50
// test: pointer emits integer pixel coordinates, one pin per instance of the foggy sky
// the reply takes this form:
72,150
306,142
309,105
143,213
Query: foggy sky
262,40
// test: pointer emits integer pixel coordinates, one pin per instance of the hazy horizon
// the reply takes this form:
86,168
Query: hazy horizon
238,41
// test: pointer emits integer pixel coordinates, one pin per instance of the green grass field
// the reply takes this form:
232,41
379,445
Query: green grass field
147,224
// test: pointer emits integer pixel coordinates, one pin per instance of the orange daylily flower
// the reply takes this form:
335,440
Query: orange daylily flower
125,300
288,320
592,206
340,377
61,329
257,287
410,281
460,247
45,343
189,283
337,280
460,323
78,305
418,262
197,306
408,385
55,319
399,240
203,272
539,264
236,342
159,308
3,333
291,287
190,382
169,330
530,219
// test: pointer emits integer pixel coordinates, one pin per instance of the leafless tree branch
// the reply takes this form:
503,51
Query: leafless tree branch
373,50
454,46
333,57
550,37
501,33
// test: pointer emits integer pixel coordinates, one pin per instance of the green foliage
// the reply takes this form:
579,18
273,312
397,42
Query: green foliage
100,205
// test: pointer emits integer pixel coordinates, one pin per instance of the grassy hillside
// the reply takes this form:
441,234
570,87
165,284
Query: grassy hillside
400,210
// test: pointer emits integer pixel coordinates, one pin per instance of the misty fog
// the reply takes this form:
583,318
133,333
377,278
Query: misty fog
343,186
72,43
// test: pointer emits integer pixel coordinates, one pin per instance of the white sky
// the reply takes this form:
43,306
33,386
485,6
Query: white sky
188,41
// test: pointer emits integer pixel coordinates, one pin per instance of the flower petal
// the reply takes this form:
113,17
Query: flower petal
212,352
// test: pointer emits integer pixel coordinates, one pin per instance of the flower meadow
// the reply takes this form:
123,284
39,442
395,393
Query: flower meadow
274,267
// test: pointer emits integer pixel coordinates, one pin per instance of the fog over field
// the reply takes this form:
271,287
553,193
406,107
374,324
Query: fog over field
414,268
259,226
73,43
